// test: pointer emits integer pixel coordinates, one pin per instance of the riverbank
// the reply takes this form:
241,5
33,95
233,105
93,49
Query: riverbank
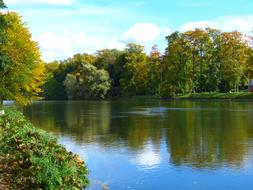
31,159
204,95
207,95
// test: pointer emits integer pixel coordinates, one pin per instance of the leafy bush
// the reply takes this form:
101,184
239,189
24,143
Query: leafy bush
35,159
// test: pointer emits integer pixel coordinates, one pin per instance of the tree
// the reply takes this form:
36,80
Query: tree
2,4
22,71
106,58
110,60
88,83
134,79
213,67
176,68
72,86
53,88
249,64
248,69
200,47
154,71
233,56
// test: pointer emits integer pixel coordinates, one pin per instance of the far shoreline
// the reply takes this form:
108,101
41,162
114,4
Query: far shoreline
191,96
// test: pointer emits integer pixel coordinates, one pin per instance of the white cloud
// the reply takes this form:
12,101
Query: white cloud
65,44
52,2
148,158
198,24
227,23
141,33
115,43
60,45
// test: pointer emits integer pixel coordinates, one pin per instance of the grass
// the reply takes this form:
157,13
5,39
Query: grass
31,159
215,95
203,95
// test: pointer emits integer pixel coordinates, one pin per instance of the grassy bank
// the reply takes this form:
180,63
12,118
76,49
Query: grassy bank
203,95
31,159
207,95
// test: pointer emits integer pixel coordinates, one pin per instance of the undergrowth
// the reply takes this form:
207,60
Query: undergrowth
35,159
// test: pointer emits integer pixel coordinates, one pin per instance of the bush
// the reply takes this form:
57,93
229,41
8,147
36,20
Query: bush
35,159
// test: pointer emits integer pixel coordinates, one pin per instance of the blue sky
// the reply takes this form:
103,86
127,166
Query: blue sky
66,27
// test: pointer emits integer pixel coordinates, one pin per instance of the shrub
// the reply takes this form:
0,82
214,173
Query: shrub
36,160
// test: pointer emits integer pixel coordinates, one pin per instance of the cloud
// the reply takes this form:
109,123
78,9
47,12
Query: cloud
115,43
65,44
198,24
52,2
226,23
148,158
62,44
141,33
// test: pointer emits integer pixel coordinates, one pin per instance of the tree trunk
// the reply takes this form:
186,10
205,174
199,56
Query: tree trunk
1,102
1,106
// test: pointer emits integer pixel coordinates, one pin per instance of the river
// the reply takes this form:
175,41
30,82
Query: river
155,145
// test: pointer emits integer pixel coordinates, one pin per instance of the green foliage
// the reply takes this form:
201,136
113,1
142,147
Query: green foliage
154,72
21,71
36,160
134,79
177,69
194,61
88,83
53,88
248,70
215,95
2,4
233,53
205,61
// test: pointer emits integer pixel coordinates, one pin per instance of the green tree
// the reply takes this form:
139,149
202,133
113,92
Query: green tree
2,4
233,56
213,65
177,68
72,86
134,79
110,60
201,47
53,88
249,64
21,68
88,83
154,71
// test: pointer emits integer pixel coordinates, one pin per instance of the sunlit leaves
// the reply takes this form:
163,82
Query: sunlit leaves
36,160
22,71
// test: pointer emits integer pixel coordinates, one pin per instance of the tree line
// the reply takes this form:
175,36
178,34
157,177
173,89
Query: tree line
201,60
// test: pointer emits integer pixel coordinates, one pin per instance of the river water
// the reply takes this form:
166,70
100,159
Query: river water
155,145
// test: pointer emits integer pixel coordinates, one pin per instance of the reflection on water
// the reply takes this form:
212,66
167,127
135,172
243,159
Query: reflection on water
143,145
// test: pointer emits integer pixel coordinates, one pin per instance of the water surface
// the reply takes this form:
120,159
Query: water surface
142,145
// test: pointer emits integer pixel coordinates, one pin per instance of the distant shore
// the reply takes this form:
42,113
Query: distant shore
208,95
204,95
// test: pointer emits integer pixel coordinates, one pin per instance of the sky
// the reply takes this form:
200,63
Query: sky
66,27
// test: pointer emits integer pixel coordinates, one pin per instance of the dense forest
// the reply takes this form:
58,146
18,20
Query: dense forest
203,60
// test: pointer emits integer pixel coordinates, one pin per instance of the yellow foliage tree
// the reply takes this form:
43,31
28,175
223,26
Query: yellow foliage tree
21,68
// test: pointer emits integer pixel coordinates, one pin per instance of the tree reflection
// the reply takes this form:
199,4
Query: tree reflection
210,138
197,134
